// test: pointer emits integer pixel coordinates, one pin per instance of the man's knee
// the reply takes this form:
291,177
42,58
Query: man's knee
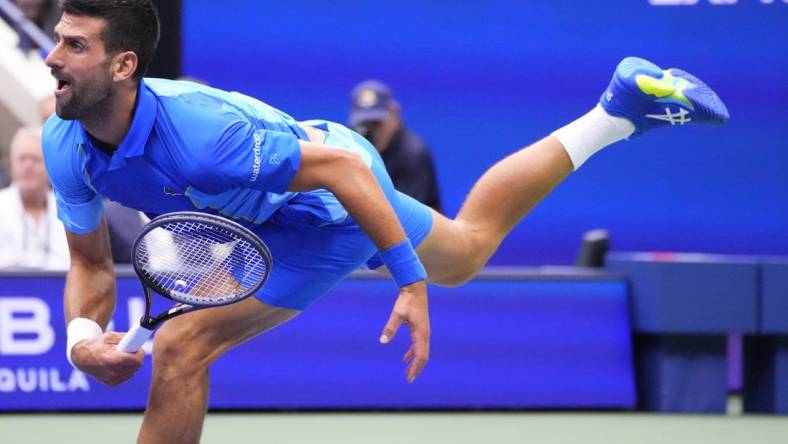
459,273
179,351
459,254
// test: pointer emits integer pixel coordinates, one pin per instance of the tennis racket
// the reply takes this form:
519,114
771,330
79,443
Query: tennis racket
197,260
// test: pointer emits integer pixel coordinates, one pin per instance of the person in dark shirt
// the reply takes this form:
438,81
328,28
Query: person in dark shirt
375,114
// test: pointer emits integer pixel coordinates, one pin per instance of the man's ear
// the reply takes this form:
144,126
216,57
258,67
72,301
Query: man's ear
123,65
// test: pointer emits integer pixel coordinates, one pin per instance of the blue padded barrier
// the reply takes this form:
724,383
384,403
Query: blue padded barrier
766,354
683,307
507,340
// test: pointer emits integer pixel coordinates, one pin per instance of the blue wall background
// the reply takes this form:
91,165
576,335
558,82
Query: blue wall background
479,80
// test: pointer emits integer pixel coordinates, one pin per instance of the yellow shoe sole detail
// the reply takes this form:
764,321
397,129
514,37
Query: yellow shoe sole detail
668,86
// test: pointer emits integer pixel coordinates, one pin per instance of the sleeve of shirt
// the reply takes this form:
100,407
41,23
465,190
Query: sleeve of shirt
78,206
248,156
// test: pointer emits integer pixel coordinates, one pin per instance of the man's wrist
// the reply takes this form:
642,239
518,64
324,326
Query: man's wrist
78,330
403,264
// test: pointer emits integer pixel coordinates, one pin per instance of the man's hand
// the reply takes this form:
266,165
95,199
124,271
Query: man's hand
98,358
411,309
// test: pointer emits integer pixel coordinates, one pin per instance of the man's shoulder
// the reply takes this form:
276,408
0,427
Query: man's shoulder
201,106
60,143
59,130
174,88
197,112
189,97
59,139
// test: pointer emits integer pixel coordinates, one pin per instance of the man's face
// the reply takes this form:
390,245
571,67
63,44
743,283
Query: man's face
27,166
80,65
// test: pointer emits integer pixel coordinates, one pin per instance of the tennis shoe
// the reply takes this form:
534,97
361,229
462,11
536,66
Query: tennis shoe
651,97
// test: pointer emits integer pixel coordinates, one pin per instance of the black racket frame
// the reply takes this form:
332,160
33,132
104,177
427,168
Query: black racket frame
151,322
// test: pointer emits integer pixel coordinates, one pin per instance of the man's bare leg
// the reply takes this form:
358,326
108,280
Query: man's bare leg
184,348
456,249
641,96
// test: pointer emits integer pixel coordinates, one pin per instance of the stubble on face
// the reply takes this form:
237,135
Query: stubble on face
89,98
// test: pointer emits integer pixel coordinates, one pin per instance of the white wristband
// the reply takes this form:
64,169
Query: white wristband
79,329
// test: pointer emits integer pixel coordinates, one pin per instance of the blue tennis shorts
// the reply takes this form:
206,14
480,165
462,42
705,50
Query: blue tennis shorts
315,243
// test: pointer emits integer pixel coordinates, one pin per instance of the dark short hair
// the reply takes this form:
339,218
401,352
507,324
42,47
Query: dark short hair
132,25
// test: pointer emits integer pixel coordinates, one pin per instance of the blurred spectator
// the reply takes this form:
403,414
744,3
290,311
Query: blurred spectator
43,13
375,114
37,11
31,235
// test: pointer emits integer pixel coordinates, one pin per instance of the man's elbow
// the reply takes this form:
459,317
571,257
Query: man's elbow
350,172
331,170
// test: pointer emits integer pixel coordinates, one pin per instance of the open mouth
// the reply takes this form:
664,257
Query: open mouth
62,87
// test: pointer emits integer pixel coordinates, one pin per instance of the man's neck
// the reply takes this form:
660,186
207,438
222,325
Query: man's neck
111,120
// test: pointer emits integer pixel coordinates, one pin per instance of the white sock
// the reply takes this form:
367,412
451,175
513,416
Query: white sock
592,132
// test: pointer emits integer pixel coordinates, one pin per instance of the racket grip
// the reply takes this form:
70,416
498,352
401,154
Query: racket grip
134,338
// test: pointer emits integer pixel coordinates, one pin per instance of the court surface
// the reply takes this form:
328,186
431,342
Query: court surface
390,428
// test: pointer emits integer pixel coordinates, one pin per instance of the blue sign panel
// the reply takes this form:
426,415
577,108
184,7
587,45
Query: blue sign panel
496,344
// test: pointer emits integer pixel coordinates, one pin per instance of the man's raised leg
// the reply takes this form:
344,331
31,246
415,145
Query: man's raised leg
455,250
641,96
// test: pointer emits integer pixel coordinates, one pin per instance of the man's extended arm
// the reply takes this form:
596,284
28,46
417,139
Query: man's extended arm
352,182
90,296
90,283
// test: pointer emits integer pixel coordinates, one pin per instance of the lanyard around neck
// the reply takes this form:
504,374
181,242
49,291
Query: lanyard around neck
42,246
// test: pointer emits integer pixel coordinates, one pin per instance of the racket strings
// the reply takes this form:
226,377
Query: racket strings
199,263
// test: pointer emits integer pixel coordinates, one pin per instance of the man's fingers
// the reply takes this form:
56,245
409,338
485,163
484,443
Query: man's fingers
118,378
125,361
113,337
395,320
409,355
137,357
415,367
420,359
119,371
123,366
420,354
411,309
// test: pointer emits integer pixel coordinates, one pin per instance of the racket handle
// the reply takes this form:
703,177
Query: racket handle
134,338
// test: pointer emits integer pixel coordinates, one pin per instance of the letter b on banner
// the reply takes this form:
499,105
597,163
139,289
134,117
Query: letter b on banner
25,327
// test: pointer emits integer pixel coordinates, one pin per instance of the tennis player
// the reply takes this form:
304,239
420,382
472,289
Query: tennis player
315,191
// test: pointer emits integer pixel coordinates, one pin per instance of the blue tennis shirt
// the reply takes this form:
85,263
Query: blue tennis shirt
190,147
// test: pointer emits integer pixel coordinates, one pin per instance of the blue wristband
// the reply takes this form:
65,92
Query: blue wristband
403,264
